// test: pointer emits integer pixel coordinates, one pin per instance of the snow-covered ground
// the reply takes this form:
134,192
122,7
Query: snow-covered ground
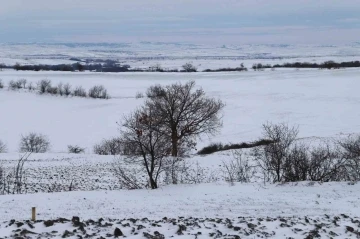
324,103
174,55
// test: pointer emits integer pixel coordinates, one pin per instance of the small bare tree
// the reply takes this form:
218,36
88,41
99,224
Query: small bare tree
3,147
67,89
239,168
184,114
189,67
150,146
271,158
35,143
43,86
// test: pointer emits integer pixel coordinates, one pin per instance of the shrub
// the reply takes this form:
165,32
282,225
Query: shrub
15,85
212,148
98,92
238,169
1,84
79,91
31,87
60,89
216,147
43,86
35,143
189,67
67,89
22,82
109,147
75,149
139,95
52,90
3,147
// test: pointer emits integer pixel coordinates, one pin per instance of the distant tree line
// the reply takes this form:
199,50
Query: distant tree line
108,67
113,66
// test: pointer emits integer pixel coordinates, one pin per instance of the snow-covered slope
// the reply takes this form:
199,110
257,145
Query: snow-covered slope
324,103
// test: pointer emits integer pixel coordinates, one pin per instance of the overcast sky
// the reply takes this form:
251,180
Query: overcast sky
197,21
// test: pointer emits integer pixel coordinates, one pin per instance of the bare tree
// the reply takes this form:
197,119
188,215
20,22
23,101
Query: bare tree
184,113
271,158
150,146
35,143
239,168
3,147
351,152
109,147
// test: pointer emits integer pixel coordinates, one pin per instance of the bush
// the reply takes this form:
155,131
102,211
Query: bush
79,91
35,143
52,90
1,84
212,148
188,67
67,89
15,85
43,86
22,82
109,147
75,149
3,147
139,95
239,169
216,147
30,87
98,92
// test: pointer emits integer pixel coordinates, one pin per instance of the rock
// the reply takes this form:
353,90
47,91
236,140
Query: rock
67,234
251,226
157,235
76,221
19,224
139,227
118,232
350,229
24,232
30,225
12,221
181,229
333,234
237,229
48,223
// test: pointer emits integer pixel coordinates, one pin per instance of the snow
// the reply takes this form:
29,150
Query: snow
322,102
214,200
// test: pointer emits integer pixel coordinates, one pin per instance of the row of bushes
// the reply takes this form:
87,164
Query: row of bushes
38,143
324,65
46,87
217,147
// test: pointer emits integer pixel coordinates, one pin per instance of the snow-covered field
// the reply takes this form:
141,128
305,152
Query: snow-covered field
324,103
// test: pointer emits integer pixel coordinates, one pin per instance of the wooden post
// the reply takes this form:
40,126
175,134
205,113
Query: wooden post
33,213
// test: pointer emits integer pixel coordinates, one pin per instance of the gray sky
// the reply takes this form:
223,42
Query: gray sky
197,21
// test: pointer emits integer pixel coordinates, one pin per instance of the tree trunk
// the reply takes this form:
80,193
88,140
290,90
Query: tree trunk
174,142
